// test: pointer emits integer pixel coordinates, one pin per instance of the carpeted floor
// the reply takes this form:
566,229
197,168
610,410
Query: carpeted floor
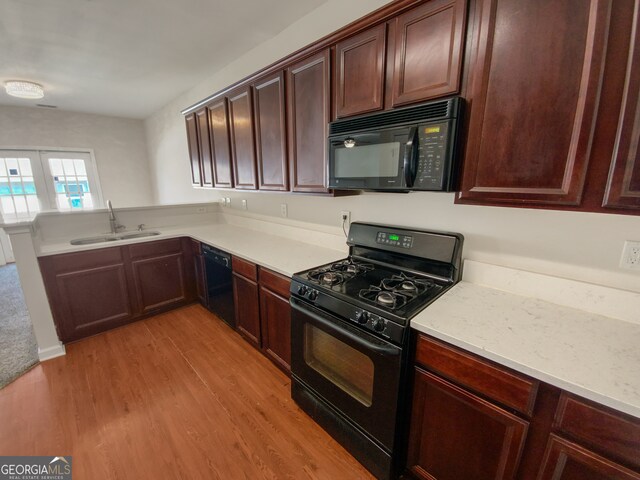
18,348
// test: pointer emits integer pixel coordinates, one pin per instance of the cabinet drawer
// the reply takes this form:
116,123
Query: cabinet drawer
245,268
604,430
155,249
71,262
498,383
275,282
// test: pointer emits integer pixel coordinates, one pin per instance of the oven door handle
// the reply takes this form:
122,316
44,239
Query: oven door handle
383,350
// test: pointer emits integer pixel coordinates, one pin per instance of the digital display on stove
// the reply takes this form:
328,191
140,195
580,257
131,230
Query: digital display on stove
394,239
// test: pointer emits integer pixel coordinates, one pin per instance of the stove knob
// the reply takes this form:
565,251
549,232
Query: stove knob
312,295
302,290
362,317
378,325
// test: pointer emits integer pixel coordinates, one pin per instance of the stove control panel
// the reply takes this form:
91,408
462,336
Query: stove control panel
372,322
350,313
395,239
309,293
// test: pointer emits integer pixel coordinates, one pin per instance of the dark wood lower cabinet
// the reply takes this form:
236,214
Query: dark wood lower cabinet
275,318
97,290
263,313
565,460
457,435
88,292
245,296
458,430
159,281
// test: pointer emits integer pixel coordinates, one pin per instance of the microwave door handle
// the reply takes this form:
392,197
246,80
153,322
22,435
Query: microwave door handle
409,157
388,351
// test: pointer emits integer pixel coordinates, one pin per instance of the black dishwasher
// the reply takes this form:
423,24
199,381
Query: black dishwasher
219,285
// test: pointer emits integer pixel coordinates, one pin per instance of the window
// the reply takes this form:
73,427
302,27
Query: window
18,191
32,181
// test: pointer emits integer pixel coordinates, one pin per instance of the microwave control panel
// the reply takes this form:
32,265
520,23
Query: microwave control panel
432,166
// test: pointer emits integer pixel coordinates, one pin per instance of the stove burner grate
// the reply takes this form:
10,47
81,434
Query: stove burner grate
338,273
394,292
351,266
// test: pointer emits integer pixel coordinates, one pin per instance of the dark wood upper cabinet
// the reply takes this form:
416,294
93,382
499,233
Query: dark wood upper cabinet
308,104
428,51
242,138
271,132
194,150
206,168
623,186
360,69
533,92
220,148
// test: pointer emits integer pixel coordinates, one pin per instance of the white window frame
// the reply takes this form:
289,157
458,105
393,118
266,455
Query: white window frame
43,179
92,176
36,168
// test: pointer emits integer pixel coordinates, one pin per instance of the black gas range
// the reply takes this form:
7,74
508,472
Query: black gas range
350,333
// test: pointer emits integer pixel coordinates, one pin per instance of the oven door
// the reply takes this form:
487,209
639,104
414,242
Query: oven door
376,160
351,370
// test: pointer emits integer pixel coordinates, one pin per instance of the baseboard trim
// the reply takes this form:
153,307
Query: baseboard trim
51,352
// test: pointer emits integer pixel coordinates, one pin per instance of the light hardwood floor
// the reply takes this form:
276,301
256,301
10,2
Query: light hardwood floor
179,395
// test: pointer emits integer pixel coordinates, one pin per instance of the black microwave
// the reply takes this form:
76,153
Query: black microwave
404,149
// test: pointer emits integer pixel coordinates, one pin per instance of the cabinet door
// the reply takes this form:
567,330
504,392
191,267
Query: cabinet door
360,72
623,188
160,281
242,140
220,148
88,292
533,93
308,116
206,168
275,316
271,144
455,434
565,460
245,295
194,151
428,51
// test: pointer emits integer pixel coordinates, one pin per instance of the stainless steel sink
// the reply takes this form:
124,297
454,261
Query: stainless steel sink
90,240
112,238
127,236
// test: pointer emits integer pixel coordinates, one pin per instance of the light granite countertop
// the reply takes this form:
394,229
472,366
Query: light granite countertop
278,253
588,354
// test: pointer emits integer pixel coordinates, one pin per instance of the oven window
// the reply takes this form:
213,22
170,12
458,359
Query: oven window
342,365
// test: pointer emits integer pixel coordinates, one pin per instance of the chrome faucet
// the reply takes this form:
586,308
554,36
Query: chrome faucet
115,227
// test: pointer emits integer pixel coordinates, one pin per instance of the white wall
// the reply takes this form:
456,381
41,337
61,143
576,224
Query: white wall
580,246
119,146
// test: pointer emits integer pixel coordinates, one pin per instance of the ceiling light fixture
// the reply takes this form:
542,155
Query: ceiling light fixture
22,89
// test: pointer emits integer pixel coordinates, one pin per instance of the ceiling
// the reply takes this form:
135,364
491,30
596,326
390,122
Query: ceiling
129,57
